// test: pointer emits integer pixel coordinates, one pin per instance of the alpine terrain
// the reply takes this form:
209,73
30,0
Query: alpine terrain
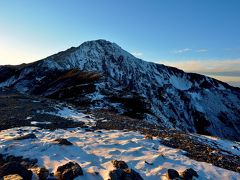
101,75
97,112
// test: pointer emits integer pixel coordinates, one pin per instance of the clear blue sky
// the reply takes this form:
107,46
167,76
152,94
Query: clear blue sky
166,31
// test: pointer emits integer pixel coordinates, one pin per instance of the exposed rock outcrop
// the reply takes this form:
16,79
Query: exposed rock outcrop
69,171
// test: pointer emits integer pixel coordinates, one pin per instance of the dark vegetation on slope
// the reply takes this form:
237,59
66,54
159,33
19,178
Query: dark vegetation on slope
20,110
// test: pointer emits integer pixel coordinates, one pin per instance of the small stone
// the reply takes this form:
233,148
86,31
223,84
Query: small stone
149,163
172,174
90,129
62,141
27,136
148,136
189,173
87,116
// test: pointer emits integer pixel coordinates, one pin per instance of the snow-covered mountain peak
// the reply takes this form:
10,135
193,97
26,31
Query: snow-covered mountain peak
102,45
100,74
90,55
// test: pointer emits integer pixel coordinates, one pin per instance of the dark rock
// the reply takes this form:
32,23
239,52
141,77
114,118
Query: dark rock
69,171
1,159
119,164
51,177
149,163
130,174
87,116
148,136
90,129
27,136
28,162
189,173
13,158
116,174
172,174
15,168
122,172
43,173
63,142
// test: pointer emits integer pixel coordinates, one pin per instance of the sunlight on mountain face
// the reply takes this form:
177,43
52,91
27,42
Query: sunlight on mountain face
224,70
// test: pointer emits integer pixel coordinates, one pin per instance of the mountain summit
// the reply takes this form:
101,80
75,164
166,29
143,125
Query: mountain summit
101,75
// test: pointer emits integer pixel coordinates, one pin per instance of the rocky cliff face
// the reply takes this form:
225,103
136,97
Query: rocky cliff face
100,74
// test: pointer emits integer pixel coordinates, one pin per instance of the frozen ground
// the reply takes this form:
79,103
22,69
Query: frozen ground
95,150
228,147
71,113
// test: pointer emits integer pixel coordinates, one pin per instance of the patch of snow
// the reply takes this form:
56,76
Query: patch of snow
96,96
36,122
8,82
196,98
50,64
195,95
40,78
36,101
72,114
180,83
226,145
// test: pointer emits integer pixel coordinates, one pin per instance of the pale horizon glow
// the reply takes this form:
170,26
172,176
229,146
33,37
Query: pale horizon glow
223,70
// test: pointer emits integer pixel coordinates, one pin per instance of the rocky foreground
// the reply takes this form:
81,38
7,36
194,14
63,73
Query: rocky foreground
87,153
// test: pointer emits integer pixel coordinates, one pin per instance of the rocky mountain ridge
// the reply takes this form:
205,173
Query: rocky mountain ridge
101,75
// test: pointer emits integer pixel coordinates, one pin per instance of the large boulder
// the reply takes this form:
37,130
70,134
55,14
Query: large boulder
122,172
116,174
12,168
42,173
172,174
69,171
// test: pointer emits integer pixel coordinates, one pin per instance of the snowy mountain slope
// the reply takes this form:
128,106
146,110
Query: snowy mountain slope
93,151
100,74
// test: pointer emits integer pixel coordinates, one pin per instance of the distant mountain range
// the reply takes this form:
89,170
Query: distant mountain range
101,75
